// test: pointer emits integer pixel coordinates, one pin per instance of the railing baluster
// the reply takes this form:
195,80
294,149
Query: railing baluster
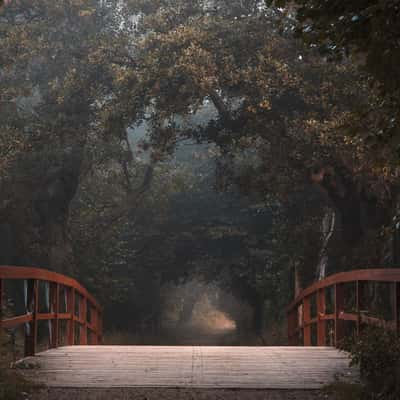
33,307
71,321
307,321
83,318
55,308
321,324
339,308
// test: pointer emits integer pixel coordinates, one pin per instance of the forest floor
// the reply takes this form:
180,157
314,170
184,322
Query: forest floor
187,335
180,394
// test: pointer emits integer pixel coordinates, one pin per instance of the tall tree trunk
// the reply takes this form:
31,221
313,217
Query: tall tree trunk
37,210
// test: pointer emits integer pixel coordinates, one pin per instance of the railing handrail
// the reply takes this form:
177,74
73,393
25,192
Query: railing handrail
80,308
300,319
8,272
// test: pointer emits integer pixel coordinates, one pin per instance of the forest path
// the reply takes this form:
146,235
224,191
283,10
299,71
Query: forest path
193,367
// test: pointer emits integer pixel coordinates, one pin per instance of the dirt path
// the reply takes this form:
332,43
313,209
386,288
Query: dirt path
178,394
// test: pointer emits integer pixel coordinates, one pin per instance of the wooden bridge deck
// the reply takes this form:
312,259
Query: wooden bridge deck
189,367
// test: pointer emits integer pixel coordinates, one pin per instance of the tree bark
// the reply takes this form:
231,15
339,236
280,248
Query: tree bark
220,106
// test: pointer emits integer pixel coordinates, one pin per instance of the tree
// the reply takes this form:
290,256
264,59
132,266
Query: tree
62,64
366,34
300,115
287,130
277,103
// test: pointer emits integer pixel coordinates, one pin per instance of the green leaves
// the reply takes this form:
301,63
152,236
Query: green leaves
377,353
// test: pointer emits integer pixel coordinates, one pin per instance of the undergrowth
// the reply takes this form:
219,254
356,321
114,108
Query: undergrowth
12,385
377,353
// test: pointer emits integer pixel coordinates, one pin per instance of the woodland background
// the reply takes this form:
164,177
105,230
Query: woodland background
199,159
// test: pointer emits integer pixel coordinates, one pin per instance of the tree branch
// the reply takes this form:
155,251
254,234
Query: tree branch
220,106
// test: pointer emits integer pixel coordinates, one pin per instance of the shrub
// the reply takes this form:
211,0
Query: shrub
377,353
12,385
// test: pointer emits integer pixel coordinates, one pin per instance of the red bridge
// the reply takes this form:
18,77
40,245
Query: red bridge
319,317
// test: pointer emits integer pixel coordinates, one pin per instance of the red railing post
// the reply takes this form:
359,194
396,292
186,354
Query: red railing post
321,324
54,309
71,321
33,307
307,321
339,309
83,320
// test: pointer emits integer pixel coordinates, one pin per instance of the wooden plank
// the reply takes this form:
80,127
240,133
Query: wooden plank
190,367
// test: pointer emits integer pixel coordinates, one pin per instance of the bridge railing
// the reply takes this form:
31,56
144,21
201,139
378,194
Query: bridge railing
63,299
342,304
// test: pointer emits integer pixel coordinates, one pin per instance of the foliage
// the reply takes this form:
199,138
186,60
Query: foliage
367,29
12,385
377,353
365,33
289,137
281,109
61,67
